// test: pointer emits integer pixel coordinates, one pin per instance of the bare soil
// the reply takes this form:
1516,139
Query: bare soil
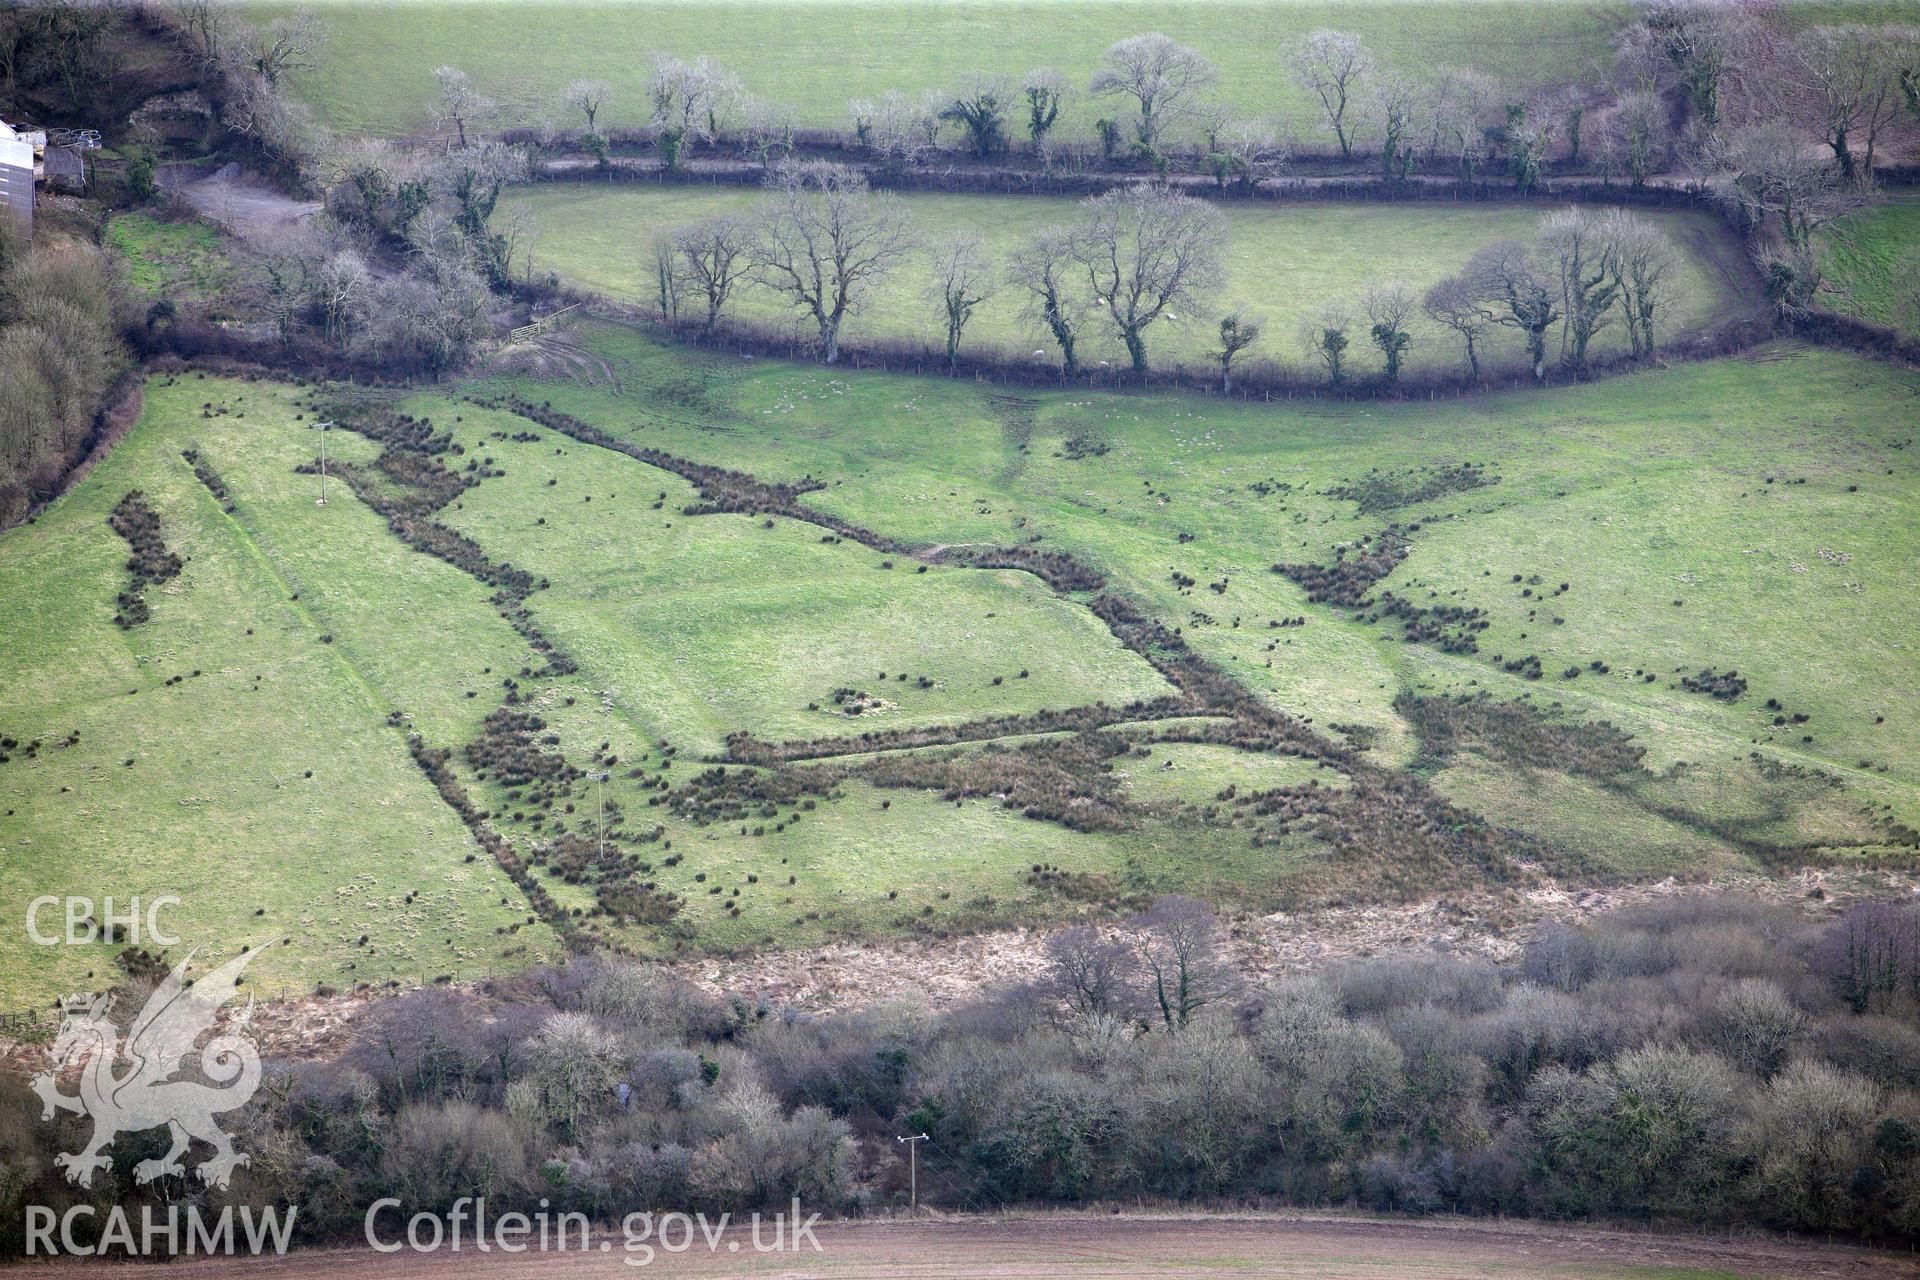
1065,1246
246,205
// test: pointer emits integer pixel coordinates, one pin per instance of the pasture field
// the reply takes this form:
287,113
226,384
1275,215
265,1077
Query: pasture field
1748,515
1651,488
1872,263
1284,263
224,753
816,55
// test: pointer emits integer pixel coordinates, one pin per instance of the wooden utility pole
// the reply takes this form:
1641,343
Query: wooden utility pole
913,1168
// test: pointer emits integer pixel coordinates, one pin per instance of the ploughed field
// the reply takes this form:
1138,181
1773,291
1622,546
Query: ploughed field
1284,264
1125,1248
732,652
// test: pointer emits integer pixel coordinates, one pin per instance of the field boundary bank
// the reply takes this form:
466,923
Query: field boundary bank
113,418
1822,328
1262,381
637,146
1666,192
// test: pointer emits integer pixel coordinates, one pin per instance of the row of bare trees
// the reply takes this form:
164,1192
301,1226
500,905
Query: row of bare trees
1684,72
1138,256
823,241
1582,272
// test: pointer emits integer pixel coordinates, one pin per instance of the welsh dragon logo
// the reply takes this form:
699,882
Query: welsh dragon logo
148,1094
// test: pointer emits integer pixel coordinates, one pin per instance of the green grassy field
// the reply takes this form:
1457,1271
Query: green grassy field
1872,264
177,261
1285,262
1650,488
261,786
817,54
1749,514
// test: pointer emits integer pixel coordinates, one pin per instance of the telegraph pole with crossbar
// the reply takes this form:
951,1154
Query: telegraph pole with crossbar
913,1167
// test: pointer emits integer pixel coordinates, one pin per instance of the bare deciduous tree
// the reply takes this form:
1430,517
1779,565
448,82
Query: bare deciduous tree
459,103
1089,972
1766,170
573,1063
823,238
1850,77
669,277
1245,153
1144,252
691,102
1323,337
1697,46
1238,331
435,314
1330,65
1388,308
714,256
1163,77
282,46
962,280
1578,247
1642,124
1647,267
1506,277
1453,303
1459,106
209,25
589,97
256,110
901,130
766,131
1045,268
1180,949
1393,102
1046,92
338,285
520,234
